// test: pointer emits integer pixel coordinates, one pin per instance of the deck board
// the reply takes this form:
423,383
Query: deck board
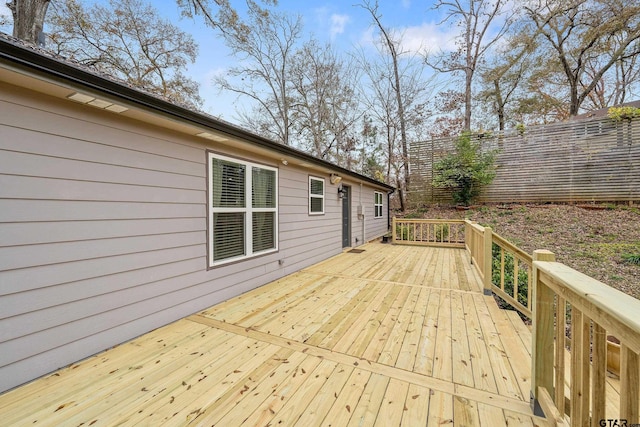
395,335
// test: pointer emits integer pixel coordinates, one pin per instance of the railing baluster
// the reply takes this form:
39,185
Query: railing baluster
561,322
502,268
599,362
516,261
576,371
585,365
530,276
629,384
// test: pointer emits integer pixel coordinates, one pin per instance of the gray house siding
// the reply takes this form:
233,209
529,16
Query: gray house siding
373,227
103,231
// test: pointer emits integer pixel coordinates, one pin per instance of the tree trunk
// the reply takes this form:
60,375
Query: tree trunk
467,101
401,195
499,104
28,18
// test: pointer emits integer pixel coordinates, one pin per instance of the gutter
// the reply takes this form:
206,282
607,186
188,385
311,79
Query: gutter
30,60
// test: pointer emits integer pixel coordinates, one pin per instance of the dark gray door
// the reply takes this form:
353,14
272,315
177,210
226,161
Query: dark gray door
346,217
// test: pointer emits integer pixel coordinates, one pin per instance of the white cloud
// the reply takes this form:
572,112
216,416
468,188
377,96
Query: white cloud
338,24
427,37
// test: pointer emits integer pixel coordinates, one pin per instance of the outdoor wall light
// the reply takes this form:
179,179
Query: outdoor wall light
335,179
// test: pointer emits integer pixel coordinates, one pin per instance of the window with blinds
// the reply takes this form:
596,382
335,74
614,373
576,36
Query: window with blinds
377,204
316,196
243,207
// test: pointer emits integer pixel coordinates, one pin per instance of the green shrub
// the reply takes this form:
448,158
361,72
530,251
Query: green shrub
465,171
441,232
404,232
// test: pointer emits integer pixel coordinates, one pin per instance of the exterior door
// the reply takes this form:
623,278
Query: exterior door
346,217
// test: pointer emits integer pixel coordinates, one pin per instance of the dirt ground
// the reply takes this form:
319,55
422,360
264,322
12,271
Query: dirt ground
590,239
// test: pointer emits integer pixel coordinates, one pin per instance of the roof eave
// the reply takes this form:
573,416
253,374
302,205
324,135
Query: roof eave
68,74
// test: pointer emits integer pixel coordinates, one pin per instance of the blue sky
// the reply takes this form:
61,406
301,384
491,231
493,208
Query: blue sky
337,21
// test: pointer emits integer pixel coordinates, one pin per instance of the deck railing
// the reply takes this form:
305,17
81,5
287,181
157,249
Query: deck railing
478,241
556,298
511,274
565,297
428,232
507,276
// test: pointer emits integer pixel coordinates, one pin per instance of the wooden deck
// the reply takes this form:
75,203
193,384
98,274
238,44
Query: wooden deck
394,335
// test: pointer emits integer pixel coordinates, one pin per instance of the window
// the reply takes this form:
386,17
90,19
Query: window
243,209
316,196
377,204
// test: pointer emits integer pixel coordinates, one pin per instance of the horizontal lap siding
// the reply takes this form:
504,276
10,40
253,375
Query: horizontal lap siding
102,229
374,227
306,239
103,232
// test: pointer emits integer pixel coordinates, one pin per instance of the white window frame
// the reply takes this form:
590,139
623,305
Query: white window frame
317,196
248,210
377,205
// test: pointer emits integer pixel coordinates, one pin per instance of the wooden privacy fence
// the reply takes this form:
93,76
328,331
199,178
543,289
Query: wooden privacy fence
556,298
581,160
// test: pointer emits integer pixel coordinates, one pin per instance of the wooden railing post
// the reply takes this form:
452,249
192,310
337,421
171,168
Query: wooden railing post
393,230
488,259
543,333
467,237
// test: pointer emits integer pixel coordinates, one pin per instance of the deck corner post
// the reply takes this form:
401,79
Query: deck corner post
542,346
488,259
393,230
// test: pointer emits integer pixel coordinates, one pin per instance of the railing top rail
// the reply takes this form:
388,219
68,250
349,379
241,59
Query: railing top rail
504,243
478,227
614,310
431,221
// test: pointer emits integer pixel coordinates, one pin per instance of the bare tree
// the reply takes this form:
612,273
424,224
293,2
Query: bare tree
476,18
266,44
588,37
128,40
29,15
503,79
324,108
393,49
448,123
616,86
380,97
223,18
